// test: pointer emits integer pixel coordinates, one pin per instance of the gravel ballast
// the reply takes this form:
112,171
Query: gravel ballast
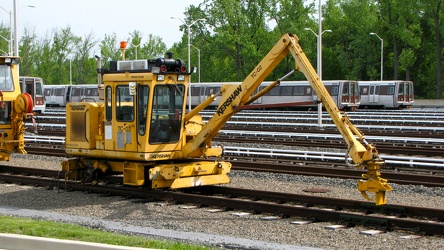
273,234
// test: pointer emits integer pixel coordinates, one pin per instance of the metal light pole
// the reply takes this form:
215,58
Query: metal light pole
70,71
16,51
198,62
189,55
382,52
319,57
319,63
10,31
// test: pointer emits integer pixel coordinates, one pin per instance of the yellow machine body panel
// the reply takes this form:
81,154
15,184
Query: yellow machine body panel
14,108
139,130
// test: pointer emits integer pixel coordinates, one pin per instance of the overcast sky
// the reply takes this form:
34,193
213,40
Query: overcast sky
101,17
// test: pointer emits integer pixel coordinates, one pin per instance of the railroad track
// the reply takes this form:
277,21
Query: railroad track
401,175
283,205
388,147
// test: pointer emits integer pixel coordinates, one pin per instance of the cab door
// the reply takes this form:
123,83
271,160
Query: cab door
120,125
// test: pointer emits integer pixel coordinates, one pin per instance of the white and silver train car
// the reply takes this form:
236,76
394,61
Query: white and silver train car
288,94
60,95
34,86
386,94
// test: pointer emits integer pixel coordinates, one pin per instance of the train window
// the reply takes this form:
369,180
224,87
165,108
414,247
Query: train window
334,90
298,90
6,83
29,87
364,90
108,103
142,108
345,89
195,91
60,92
75,91
401,89
356,89
38,88
287,90
166,115
212,90
391,90
48,92
124,104
276,91
92,91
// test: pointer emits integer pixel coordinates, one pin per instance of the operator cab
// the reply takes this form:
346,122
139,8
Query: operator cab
144,104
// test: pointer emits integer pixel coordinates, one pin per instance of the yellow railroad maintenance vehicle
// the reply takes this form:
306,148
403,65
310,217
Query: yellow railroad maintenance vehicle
142,132
14,108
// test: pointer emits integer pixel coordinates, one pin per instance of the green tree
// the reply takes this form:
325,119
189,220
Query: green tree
434,23
293,17
4,39
239,36
27,53
110,49
349,52
154,47
83,66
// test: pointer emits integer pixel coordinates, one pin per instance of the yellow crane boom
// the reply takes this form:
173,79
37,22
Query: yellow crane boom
362,154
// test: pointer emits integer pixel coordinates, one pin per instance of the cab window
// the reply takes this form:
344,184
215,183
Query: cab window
124,104
6,83
142,105
166,113
108,103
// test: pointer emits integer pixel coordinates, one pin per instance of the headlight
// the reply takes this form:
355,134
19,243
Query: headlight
160,77
181,78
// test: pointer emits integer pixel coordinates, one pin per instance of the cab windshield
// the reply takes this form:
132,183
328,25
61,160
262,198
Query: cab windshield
166,114
6,83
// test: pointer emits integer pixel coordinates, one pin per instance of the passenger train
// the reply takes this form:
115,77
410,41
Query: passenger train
386,94
348,95
289,94
34,87
60,95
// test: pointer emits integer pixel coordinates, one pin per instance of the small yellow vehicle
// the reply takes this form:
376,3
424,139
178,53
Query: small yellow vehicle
141,130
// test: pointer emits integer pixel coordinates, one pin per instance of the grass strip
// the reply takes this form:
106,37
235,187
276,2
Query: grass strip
66,231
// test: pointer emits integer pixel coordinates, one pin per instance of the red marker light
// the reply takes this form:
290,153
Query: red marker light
163,68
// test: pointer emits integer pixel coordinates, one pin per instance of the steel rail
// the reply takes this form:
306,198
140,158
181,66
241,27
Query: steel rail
389,223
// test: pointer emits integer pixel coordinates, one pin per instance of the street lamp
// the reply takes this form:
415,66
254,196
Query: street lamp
16,49
198,62
382,52
319,57
319,63
10,30
15,27
189,55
